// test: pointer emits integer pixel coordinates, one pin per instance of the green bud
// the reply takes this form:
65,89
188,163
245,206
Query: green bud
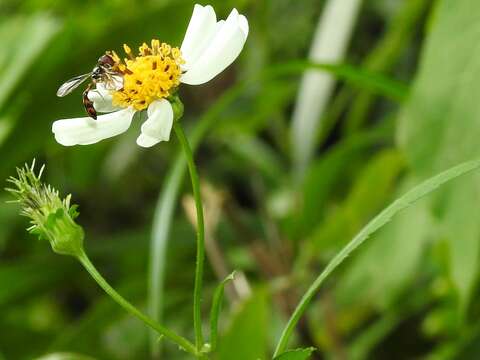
51,217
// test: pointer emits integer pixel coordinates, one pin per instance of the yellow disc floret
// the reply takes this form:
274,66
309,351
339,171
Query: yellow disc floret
150,76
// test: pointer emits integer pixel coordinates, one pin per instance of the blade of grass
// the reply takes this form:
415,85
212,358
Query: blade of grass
216,308
356,76
297,354
329,44
379,221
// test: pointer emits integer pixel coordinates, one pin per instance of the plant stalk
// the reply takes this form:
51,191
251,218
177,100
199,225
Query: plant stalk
197,292
161,330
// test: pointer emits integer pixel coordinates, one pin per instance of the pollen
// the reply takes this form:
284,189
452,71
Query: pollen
151,75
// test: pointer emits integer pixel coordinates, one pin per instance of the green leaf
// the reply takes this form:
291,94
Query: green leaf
439,127
246,337
73,211
389,262
362,78
297,354
216,308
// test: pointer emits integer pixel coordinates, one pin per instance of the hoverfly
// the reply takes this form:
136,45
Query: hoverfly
102,73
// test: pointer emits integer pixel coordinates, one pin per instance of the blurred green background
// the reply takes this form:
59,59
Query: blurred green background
405,106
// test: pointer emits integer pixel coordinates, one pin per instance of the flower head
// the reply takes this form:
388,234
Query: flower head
152,76
51,217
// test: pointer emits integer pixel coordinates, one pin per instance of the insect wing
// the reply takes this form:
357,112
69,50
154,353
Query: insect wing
114,82
71,85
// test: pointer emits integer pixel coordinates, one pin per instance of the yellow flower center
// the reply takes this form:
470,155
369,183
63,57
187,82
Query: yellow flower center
151,75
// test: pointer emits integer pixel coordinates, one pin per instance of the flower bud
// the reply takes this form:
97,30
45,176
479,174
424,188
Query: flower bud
51,217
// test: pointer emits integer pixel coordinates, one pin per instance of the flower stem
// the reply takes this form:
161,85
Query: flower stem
163,331
197,292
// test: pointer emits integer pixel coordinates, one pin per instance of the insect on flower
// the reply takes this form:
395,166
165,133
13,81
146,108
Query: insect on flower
148,80
104,72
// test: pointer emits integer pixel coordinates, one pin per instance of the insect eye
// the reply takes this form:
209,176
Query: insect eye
106,60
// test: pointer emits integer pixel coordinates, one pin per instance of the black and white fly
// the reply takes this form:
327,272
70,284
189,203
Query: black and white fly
102,73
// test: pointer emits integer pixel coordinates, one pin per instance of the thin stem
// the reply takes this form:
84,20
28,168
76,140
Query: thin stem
197,292
163,331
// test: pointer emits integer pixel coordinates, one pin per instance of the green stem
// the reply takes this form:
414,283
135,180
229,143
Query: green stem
163,331
197,292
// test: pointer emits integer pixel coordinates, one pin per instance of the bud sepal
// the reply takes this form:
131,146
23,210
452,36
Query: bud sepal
51,217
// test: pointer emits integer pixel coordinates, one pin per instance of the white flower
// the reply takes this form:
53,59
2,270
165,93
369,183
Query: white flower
208,48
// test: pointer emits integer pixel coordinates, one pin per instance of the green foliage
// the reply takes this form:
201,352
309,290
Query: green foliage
297,354
246,335
215,311
374,225
444,105
405,109
64,356
360,204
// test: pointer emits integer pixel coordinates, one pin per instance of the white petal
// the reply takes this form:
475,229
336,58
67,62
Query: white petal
146,141
84,131
224,48
102,99
199,33
158,125
243,23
